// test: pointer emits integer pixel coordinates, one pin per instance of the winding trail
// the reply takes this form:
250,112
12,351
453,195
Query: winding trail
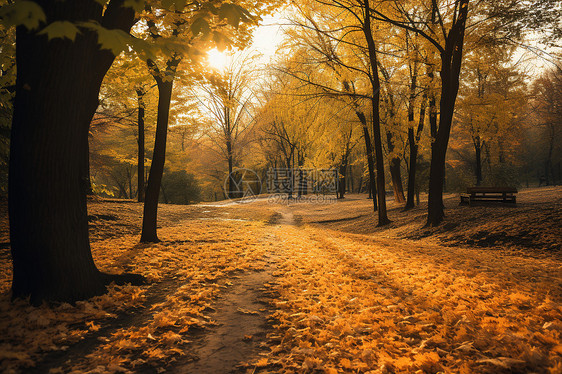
241,320
240,315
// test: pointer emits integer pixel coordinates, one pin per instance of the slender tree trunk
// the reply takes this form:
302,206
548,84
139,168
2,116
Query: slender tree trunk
501,153
57,89
122,190
413,142
343,180
396,175
290,176
370,162
150,214
140,123
301,187
395,161
351,185
375,83
231,181
164,81
478,152
276,176
451,61
379,162
412,169
395,172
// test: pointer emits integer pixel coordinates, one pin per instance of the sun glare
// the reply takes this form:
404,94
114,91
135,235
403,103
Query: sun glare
217,59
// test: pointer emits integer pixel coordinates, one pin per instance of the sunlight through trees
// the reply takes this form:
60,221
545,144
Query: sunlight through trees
375,115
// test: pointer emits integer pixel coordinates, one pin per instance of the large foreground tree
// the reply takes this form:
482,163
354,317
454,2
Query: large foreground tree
57,89
59,73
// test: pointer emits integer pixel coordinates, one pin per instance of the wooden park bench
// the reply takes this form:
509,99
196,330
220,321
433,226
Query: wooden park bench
498,194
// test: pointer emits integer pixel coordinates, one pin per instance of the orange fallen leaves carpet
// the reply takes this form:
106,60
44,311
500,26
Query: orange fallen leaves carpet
343,303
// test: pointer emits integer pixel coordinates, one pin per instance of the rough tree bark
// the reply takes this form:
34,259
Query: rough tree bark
57,89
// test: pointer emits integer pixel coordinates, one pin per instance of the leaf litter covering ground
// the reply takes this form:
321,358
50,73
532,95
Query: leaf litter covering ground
344,302
203,265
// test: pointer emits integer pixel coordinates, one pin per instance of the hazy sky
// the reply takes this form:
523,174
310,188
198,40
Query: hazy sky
269,35
266,39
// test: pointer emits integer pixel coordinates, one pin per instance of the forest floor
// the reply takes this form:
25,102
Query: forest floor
307,288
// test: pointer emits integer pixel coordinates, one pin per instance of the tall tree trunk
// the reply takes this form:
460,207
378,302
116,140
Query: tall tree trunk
351,185
379,162
395,161
395,172
478,151
305,182
289,175
122,189
451,61
375,83
396,176
413,142
343,180
57,89
276,179
140,165
165,82
231,181
370,162
150,213
302,186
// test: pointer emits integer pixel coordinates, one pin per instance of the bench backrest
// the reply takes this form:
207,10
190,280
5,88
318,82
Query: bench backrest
491,190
